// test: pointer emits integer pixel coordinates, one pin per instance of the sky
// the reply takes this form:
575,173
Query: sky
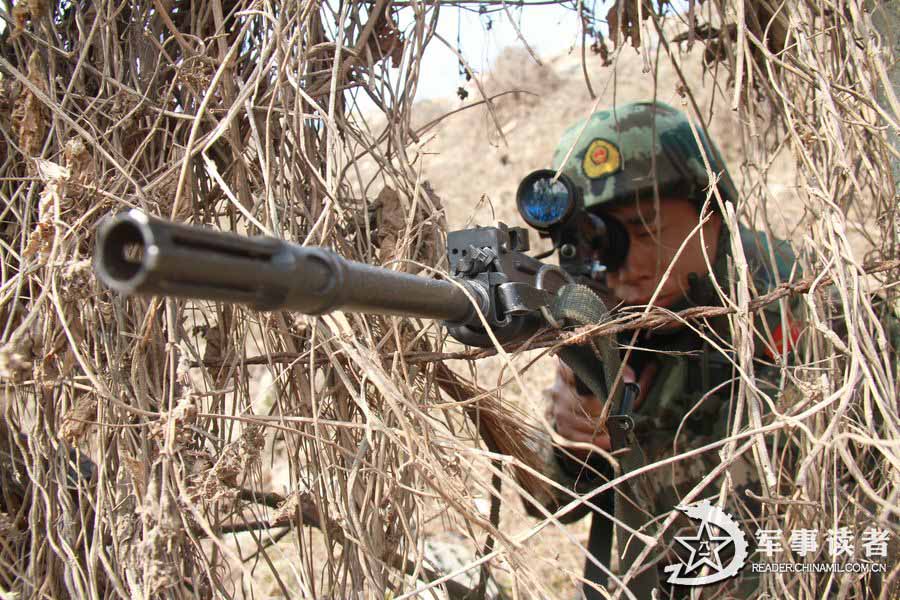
550,30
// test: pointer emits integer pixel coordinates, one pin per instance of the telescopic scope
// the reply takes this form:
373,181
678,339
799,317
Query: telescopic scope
553,204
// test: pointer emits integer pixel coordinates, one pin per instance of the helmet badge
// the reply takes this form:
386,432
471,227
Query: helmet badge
602,158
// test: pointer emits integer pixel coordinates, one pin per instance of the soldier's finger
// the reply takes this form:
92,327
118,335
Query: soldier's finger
579,430
602,441
583,426
574,435
566,403
588,407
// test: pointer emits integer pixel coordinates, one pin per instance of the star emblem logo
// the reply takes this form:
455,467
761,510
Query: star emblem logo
599,155
717,531
704,548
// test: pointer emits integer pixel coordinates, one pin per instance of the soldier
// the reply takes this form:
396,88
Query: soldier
641,165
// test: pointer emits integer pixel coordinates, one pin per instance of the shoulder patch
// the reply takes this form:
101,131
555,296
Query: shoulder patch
602,158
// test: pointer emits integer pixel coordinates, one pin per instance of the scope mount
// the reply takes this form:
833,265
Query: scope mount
509,285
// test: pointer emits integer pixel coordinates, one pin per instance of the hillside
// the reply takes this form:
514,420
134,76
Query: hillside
468,157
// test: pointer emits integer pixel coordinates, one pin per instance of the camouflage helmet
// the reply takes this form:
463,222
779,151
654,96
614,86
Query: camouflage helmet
613,157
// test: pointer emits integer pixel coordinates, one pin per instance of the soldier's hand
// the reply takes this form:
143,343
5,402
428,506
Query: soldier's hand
577,415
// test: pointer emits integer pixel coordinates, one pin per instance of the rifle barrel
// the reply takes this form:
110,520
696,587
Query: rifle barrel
138,254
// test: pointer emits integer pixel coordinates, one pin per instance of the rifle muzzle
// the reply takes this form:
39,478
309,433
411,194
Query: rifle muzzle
137,254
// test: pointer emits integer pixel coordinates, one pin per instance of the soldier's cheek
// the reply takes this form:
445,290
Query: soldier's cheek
646,260
676,280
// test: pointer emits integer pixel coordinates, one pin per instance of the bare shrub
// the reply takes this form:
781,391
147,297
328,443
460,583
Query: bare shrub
189,449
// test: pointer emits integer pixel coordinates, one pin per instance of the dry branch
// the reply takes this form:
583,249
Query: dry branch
293,119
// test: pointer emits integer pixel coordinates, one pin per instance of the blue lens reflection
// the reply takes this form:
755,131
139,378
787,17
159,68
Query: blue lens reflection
545,202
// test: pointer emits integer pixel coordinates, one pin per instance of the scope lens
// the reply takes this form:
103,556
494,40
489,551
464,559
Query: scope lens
544,202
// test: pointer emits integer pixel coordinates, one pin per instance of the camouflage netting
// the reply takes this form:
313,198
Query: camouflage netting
191,449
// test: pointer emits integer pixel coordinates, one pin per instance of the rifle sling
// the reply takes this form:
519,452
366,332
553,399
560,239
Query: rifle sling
578,305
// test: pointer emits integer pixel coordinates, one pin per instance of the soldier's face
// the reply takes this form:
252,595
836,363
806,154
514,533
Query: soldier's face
657,234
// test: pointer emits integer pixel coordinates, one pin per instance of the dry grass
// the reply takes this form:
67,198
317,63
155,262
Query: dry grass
242,454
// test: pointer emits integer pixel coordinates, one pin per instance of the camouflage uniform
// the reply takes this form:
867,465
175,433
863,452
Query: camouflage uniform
680,413
690,401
